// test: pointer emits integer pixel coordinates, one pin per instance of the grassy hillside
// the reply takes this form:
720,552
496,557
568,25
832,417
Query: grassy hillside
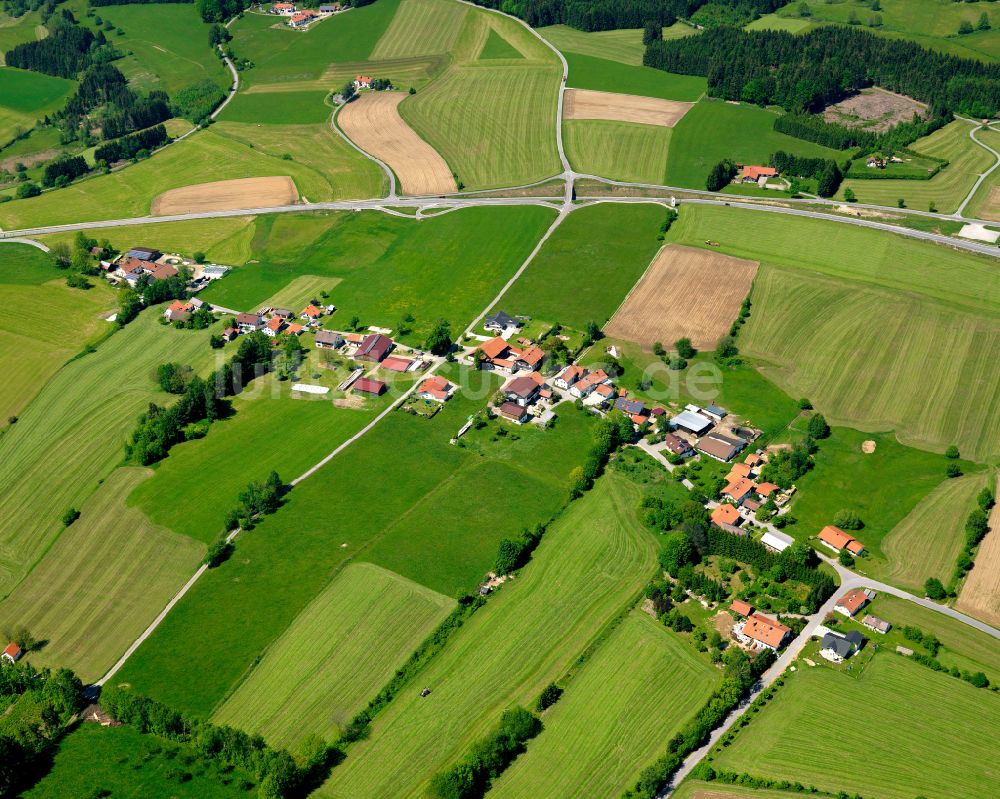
714,130
600,74
588,265
927,542
27,96
31,347
102,583
323,166
278,108
624,45
617,150
642,684
947,189
421,27
76,428
861,355
800,735
336,655
589,563
236,611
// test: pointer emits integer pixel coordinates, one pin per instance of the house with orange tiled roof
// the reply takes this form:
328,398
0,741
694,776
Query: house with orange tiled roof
178,311
592,380
363,82
836,539
529,358
760,632
753,174
496,355
738,471
725,516
853,601
741,607
766,489
602,394
568,376
311,313
739,490
435,388
11,653
294,329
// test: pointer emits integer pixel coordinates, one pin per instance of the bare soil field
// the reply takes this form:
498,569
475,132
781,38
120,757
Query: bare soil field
684,292
874,109
227,195
373,123
980,596
586,104
991,208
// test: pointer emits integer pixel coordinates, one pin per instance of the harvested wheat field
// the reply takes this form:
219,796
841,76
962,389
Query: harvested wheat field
684,292
373,123
980,596
586,104
227,195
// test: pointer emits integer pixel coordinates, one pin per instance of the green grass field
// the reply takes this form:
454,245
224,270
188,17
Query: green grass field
282,55
15,30
774,22
76,428
638,689
31,347
714,130
617,150
27,96
589,564
588,265
277,108
930,23
985,204
287,433
225,240
967,282
389,266
861,355
166,44
323,166
905,747
927,541
129,765
104,580
882,487
268,582
587,72
624,45
421,27
336,655
497,48
947,189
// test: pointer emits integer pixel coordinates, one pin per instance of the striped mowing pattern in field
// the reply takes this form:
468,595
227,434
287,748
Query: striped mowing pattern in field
71,435
926,543
875,359
336,656
947,189
624,46
634,693
105,579
494,125
591,561
897,731
421,27
617,150
986,202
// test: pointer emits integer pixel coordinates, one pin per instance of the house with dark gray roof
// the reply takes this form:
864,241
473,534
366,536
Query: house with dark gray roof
500,321
837,648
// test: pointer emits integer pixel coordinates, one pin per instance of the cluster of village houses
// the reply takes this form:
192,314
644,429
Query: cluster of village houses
304,18
148,262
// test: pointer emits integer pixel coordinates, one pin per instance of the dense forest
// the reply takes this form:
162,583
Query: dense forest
63,53
122,110
601,15
805,73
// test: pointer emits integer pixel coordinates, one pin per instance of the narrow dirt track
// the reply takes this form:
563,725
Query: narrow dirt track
586,104
374,124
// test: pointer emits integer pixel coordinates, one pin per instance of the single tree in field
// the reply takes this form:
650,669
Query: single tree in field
804,10
847,520
439,340
964,27
684,348
984,22
849,196
934,589
952,452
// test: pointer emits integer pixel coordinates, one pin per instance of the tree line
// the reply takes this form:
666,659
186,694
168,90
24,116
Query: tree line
132,145
804,73
840,137
63,53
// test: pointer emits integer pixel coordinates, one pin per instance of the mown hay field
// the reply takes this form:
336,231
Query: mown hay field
872,257
910,724
323,166
636,691
862,354
373,123
980,595
337,654
985,204
947,189
285,107
421,27
32,348
102,583
685,292
75,429
592,559
226,195
588,265
617,150
927,542
600,74
27,96
237,610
